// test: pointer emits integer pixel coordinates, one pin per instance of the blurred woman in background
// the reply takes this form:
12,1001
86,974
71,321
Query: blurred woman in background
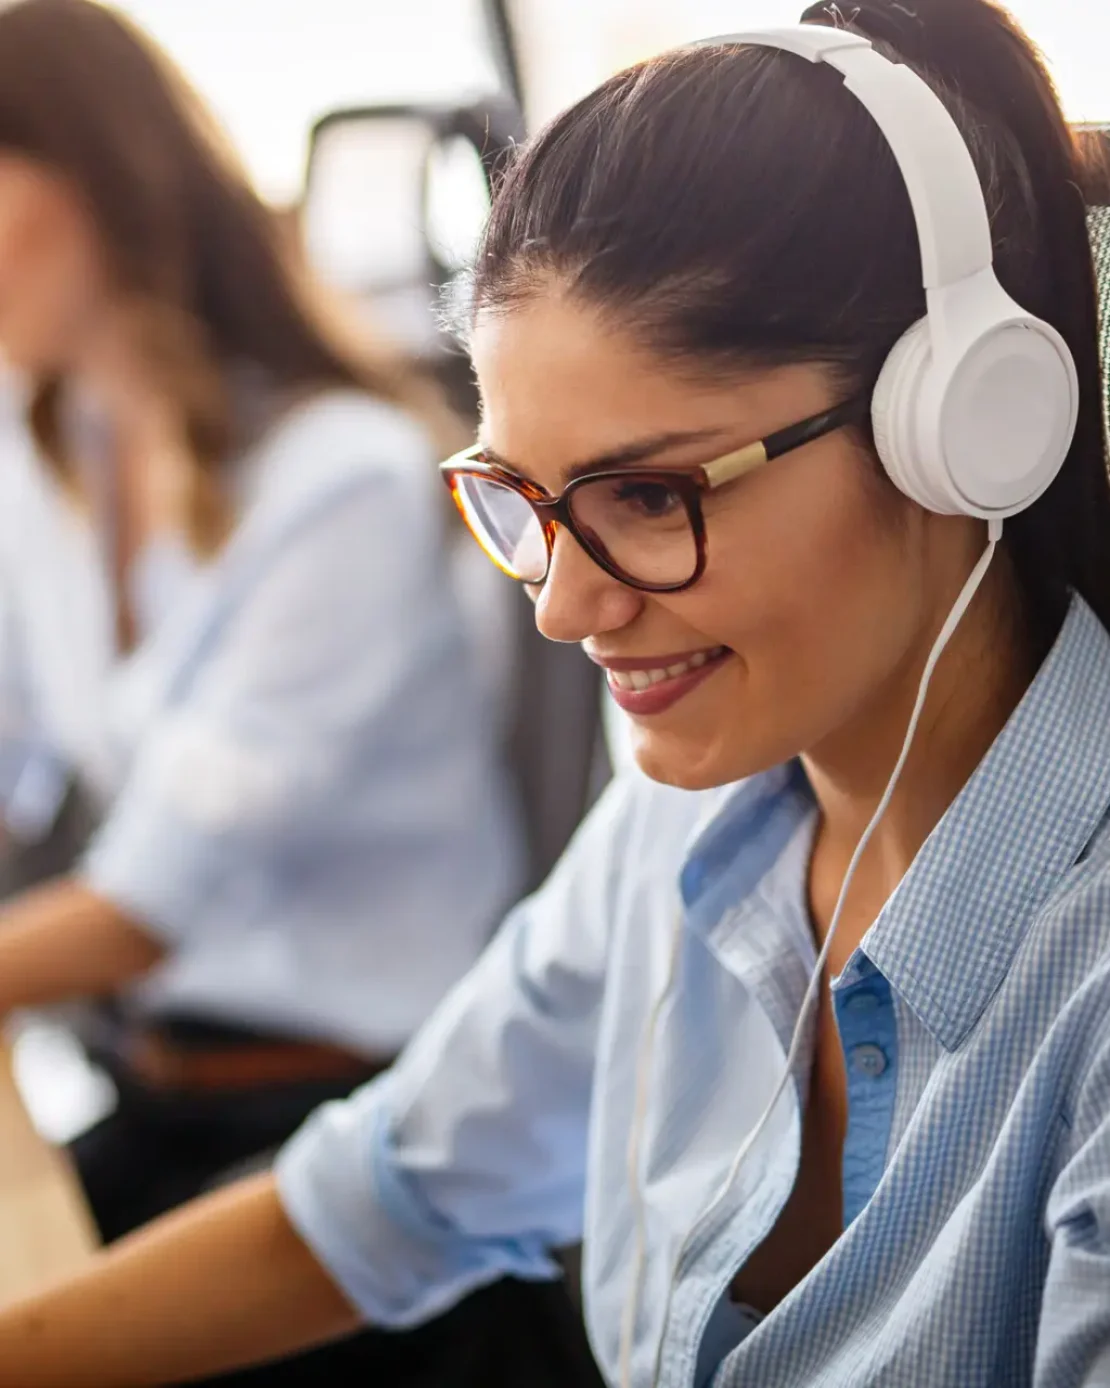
225,621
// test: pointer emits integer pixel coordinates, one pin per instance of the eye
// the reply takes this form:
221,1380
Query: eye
651,499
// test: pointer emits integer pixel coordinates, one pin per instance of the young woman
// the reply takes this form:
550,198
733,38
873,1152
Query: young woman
222,618
713,248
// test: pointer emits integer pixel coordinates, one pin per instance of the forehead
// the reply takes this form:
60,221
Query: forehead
23,175
552,364
561,383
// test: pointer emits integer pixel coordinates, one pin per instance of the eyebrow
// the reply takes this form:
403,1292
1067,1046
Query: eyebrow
642,451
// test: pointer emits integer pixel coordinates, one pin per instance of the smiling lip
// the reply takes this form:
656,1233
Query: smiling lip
668,678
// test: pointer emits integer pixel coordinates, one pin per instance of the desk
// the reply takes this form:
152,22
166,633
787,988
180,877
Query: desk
46,1231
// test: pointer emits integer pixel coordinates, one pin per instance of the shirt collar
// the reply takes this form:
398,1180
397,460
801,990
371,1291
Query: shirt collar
949,933
744,892
739,840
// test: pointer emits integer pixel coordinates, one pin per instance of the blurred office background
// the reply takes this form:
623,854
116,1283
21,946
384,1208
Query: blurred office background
270,67
391,202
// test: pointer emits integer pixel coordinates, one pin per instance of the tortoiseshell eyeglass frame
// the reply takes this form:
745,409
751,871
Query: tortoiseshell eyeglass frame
690,486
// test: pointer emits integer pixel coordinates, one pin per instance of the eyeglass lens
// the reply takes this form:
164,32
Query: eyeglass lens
637,523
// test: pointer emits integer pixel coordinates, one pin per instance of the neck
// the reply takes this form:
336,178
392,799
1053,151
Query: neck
976,686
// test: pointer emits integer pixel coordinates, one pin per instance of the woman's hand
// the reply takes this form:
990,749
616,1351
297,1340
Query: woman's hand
62,941
218,1284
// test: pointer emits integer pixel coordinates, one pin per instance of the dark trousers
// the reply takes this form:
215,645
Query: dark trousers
158,1150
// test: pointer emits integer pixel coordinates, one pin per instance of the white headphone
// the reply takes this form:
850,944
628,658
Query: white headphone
976,406
973,414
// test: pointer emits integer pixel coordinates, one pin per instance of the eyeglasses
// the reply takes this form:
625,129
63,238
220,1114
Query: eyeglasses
644,527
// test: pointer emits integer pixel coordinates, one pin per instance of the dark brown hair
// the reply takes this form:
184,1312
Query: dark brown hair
215,280
736,205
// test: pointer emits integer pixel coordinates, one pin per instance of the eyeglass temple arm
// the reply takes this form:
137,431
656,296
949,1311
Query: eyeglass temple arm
754,455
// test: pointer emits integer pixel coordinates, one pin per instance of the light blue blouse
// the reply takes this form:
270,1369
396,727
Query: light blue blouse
976,1023
299,772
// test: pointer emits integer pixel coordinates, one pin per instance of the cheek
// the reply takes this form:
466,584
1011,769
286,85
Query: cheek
782,558
816,596
46,284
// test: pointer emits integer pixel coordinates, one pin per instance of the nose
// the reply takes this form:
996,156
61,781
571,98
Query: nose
579,599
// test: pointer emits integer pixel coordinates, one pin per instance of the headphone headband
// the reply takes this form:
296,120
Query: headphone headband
947,198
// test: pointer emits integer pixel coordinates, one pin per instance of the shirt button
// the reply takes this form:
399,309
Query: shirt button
863,1001
869,1060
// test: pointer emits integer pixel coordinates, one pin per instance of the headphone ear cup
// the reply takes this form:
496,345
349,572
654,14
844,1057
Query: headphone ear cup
985,434
1007,416
893,406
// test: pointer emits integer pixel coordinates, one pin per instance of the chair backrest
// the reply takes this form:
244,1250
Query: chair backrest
549,698
557,746
1098,226
1097,193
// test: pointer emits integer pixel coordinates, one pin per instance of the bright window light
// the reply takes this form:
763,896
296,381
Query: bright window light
575,42
269,68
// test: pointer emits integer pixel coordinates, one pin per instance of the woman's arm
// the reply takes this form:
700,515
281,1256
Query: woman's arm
297,667
221,1283
408,1193
63,940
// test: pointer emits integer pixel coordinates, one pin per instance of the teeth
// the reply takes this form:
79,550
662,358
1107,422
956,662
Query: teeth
644,679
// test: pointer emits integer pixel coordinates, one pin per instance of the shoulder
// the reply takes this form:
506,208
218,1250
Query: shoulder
333,441
655,816
623,861
356,423
325,452
638,837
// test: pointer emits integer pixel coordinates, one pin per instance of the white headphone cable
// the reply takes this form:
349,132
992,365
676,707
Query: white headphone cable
643,1069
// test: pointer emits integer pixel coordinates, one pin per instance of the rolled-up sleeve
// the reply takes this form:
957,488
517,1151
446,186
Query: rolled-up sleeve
467,1161
314,629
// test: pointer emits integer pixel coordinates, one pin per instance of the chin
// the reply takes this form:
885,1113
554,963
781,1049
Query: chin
706,754
689,765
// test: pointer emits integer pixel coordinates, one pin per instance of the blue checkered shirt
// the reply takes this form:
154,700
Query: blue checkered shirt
976,1023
